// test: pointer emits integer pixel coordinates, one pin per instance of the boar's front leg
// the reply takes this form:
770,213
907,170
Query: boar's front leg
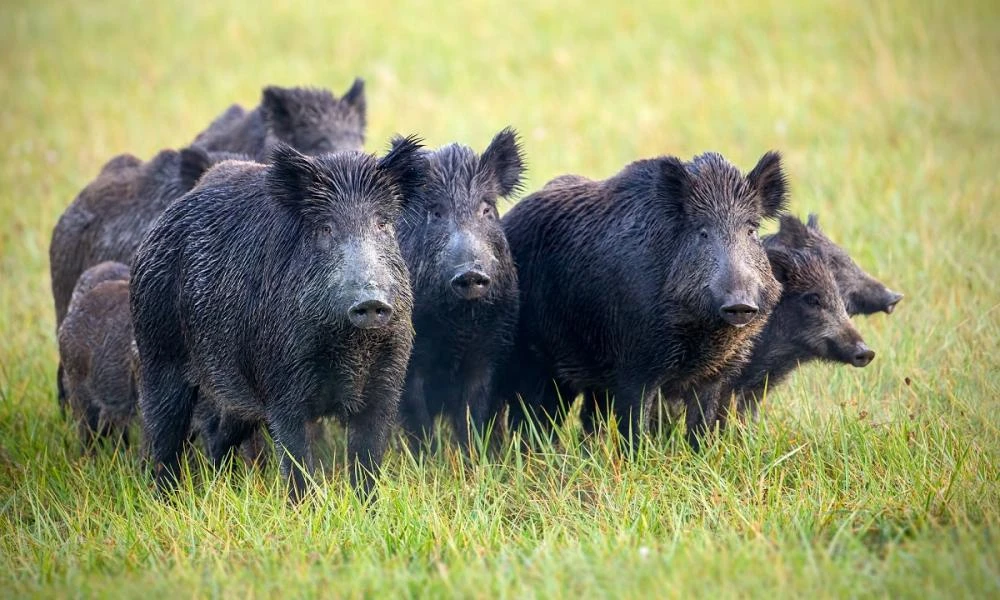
367,436
469,415
418,424
368,430
631,405
290,441
747,405
702,412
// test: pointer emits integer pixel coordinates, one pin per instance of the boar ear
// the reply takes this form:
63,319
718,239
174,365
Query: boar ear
355,97
504,158
674,184
813,222
194,161
291,174
782,263
793,233
406,166
769,181
276,105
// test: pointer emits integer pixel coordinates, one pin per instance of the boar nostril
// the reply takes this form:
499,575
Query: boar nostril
862,356
471,285
738,313
370,314
894,298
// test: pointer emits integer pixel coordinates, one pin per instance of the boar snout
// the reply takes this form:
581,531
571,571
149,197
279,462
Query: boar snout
471,284
892,299
371,313
862,355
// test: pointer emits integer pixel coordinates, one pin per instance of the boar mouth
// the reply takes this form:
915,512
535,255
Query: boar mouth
894,298
739,314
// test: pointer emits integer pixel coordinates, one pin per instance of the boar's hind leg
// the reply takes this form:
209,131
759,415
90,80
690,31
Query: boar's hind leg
166,403
226,437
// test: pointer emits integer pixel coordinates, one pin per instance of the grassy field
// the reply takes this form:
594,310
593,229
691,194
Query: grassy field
873,482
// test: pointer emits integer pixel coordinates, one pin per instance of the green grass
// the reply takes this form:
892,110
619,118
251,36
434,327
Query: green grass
873,482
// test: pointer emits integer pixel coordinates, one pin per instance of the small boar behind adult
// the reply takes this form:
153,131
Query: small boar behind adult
664,251
279,292
862,293
94,346
310,120
464,286
109,217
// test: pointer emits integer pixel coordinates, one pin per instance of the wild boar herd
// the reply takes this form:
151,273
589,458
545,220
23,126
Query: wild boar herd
274,274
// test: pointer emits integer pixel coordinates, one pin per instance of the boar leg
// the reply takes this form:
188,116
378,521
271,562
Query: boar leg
631,405
167,404
418,424
725,407
61,389
747,405
89,417
225,438
469,417
539,410
290,441
367,436
702,411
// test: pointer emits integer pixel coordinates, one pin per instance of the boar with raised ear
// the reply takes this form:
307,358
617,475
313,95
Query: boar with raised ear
464,286
654,278
311,120
293,306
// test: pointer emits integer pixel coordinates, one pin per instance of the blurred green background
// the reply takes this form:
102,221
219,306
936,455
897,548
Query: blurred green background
887,116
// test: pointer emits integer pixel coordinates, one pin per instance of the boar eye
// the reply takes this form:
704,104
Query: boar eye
382,223
487,210
703,233
326,229
812,299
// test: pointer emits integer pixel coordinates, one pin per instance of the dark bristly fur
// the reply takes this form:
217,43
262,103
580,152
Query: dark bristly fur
255,292
110,216
454,233
623,284
310,120
94,347
862,293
